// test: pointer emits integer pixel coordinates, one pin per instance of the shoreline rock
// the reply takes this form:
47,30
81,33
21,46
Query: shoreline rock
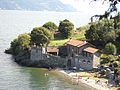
8,51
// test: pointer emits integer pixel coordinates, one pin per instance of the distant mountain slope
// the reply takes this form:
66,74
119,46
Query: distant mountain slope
35,5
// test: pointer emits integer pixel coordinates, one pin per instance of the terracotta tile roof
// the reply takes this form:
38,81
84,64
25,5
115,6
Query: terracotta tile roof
52,49
91,50
76,43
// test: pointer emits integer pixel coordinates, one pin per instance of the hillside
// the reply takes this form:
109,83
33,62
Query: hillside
35,5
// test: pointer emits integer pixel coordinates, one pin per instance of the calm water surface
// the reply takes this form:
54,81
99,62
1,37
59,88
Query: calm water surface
15,77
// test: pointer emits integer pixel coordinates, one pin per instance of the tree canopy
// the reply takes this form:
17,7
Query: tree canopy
40,36
50,26
20,43
66,28
24,40
101,32
110,49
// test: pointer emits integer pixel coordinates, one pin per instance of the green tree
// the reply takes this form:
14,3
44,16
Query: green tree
116,63
110,49
117,21
21,43
117,25
24,40
92,33
109,36
50,26
15,46
66,28
101,32
40,36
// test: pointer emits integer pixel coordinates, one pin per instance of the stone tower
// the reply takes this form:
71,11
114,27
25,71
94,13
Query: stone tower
37,53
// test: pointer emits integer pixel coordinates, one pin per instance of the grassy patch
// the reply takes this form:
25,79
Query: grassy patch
58,41
79,37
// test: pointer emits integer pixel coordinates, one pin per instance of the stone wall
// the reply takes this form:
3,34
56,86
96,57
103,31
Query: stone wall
96,60
44,59
83,62
36,53
54,61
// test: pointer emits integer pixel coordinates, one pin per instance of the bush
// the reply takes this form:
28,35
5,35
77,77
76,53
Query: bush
116,64
104,60
107,58
110,49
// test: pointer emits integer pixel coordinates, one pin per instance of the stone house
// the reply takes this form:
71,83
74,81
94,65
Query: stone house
82,54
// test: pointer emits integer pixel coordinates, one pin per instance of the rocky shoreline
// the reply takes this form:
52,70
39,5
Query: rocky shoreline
24,60
8,51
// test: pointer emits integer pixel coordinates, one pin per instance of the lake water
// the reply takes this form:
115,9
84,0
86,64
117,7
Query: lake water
15,77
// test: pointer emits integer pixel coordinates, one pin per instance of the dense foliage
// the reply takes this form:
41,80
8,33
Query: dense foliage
101,32
50,26
20,44
110,49
66,28
40,36
106,58
104,31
